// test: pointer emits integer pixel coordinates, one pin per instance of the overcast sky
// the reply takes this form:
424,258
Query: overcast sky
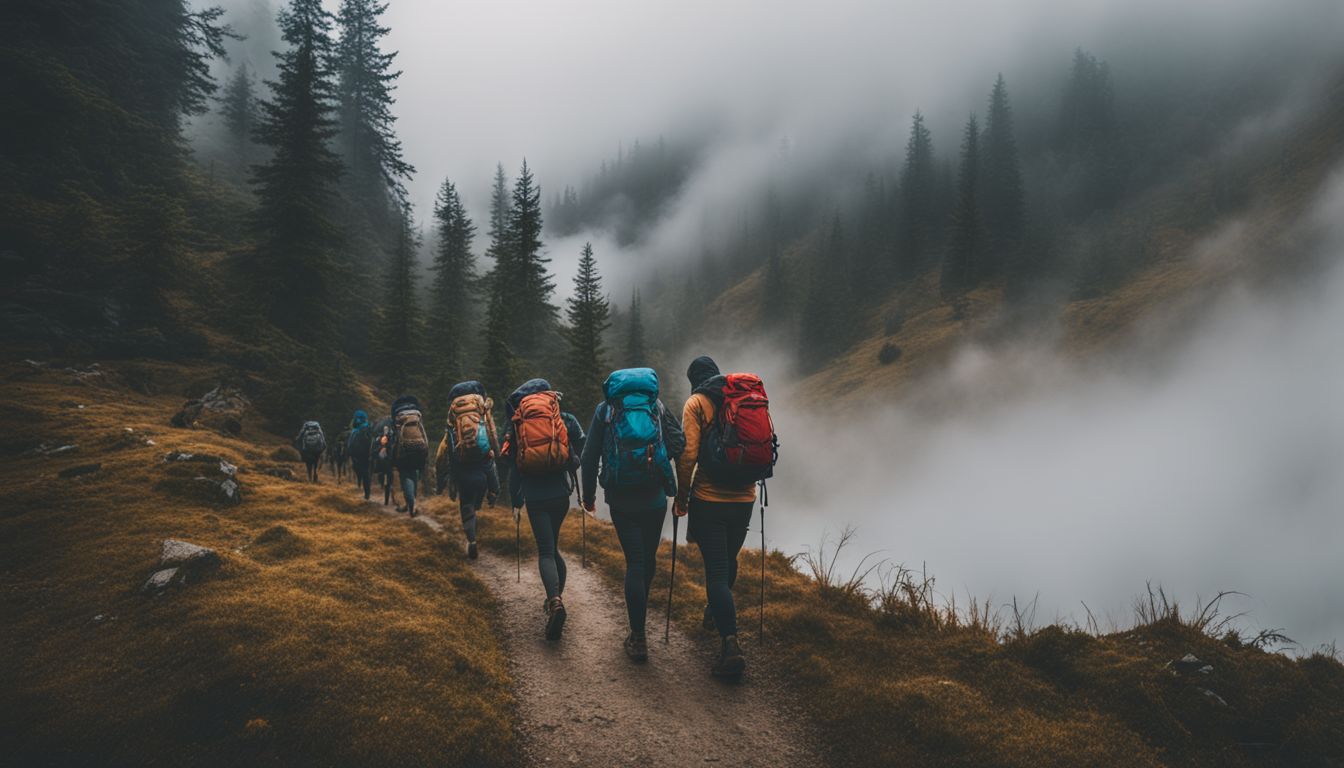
563,84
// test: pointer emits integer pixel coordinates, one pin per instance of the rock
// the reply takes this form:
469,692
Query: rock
178,552
80,470
221,409
1189,663
161,580
1215,698
284,473
202,458
43,449
226,490
227,468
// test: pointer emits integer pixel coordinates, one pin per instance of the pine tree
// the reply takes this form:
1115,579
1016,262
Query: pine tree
297,270
498,367
454,276
1004,205
369,142
918,184
589,317
962,264
530,285
636,354
1088,136
238,106
825,327
400,334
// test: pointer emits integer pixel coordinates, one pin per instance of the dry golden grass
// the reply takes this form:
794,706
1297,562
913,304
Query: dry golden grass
330,634
906,684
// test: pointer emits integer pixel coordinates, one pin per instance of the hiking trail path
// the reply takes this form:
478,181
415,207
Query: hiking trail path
582,702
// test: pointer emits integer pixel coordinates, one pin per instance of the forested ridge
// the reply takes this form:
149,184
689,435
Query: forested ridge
293,236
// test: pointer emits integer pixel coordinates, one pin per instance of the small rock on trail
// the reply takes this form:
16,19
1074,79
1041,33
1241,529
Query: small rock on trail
582,702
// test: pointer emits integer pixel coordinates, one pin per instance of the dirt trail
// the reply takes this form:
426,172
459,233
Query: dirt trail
582,702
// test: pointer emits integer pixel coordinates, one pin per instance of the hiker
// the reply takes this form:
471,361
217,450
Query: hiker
410,451
541,449
358,447
630,448
465,462
381,453
311,443
718,493
337,455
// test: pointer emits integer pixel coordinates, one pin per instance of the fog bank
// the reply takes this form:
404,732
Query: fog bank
1217,465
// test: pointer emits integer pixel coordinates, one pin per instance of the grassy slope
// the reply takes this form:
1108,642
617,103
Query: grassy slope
901,685
329,635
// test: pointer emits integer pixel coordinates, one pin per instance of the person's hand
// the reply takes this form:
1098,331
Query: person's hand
490,499
679,508
517,514
590,507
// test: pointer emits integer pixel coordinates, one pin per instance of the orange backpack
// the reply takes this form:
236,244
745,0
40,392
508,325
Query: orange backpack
541,440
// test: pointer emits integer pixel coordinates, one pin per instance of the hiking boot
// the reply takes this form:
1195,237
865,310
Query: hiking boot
636,647
411,509
471,550
730,662
708,621
555,618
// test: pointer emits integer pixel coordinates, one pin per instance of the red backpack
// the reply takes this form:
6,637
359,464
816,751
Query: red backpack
740,447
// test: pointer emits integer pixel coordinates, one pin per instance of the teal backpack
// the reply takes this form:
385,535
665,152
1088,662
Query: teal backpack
633,452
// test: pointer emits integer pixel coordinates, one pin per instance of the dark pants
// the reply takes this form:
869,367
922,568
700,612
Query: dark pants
470,494
410,478
640,529
363,476
719,528
546,517
383,471
314,463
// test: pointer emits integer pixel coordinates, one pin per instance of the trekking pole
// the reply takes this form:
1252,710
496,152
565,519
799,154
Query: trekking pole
518,542
583,521
667,624
760,628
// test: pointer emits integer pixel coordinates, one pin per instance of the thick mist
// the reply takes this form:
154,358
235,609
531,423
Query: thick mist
1214,464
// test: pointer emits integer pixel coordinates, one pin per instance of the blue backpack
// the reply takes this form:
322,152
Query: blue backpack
633,452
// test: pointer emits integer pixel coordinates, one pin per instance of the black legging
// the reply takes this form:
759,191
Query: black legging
640,530
546,517
363,476
470,494
719,528
314,463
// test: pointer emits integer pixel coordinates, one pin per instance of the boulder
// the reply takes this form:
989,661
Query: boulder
161,580
221,409
226,490
176,552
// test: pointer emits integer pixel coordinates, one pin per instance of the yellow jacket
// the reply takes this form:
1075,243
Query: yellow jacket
695,417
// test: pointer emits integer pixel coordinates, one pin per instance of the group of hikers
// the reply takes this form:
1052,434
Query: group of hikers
710,462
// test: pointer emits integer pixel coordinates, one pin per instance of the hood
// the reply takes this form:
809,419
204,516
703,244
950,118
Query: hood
404,402
701,370
529,387
361,419
466,388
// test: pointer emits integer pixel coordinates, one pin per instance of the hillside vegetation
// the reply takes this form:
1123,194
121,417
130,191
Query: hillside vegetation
329,634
